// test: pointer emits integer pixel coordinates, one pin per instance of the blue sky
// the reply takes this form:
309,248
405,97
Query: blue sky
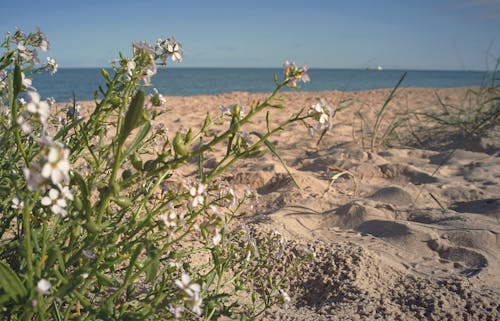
406,34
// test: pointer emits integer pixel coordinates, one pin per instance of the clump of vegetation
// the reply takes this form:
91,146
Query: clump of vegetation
95,224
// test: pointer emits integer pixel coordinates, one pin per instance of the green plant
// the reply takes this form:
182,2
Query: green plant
372,134
479,110
95,223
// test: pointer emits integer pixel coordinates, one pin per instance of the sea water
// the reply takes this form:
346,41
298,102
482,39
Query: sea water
83,82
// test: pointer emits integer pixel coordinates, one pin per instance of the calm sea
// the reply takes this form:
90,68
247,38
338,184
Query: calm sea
199,81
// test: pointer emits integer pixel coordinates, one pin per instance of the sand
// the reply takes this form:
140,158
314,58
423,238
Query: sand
408,231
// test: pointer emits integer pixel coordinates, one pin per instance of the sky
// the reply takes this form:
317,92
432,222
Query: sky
396,34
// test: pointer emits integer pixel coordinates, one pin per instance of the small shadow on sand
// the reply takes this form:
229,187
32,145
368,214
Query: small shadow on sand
381,228
490,207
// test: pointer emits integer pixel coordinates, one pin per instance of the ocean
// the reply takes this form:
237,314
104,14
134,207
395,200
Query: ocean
207,81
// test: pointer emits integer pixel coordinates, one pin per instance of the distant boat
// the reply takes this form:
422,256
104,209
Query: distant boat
378,67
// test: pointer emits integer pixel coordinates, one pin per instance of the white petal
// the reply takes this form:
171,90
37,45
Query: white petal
56,176
43,286
46,170
53,193
46,201
185,278
34,96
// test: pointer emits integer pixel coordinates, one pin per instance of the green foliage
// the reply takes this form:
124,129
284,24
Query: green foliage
95,225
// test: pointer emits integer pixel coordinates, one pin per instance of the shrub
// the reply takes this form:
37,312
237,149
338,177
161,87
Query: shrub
95,228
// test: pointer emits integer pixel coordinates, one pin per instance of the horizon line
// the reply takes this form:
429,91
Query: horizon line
309,68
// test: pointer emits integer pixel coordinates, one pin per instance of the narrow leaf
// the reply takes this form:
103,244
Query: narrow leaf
10,282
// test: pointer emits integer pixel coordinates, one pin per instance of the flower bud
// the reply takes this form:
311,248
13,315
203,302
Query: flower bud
78,203
150,165
122,201
136,161
92,227
180,147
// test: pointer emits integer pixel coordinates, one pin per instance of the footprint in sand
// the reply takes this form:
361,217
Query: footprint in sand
384,229
488,207
471,262
408,173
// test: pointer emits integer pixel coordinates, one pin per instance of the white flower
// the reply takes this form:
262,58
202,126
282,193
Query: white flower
185,284
33,178
37,107
52,65
43,287
308,252
65,192
192,290
323,113
20,46
217,237
195,302
176,311
158,99
130,67
174,49
246,137
197,194
44,46
143,46
148,73
294,74
56,203
169,220
26,82
145,51
57,166
284,298
230,110
17,204
25,124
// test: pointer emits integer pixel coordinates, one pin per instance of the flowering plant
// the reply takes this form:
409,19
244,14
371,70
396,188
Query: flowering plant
94,228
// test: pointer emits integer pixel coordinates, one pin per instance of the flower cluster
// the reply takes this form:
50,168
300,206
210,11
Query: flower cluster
51,66
197,194
169,48
235,110
214,223
172,218
191,292
27,46
294,74
143,64
155,99
49,171
323,113
131,218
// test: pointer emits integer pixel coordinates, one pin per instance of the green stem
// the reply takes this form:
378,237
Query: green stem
27,243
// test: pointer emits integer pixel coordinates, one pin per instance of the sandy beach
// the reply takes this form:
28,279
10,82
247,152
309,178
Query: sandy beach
406,231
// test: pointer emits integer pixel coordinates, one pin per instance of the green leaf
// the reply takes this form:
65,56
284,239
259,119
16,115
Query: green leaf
106,76
133,116
18,80
273,150
152,269
10,283
138,139
105,280
84,189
